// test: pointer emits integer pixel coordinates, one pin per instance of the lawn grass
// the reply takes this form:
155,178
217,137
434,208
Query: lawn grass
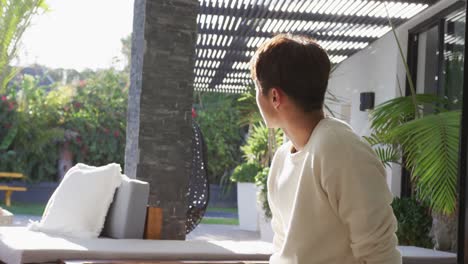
220,221
35,209
221,209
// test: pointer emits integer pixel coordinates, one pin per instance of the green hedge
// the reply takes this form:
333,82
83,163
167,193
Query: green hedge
35,121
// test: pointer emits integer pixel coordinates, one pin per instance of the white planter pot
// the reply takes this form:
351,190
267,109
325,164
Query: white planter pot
264,224
266,232
247,206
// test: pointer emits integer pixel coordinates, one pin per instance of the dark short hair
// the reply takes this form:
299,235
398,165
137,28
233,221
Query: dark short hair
298,65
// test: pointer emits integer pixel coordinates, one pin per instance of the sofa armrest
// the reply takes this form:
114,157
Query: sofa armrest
127,213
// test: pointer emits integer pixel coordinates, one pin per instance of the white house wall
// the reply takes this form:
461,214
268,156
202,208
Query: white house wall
375,69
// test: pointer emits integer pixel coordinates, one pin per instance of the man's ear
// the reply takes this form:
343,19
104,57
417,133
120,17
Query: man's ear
276,97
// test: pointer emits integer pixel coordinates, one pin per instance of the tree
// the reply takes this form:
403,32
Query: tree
127,51
15,18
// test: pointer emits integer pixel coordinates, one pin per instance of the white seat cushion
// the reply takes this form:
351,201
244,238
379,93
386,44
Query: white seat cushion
20,245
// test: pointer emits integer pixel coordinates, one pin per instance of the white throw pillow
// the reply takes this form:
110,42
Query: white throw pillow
79,205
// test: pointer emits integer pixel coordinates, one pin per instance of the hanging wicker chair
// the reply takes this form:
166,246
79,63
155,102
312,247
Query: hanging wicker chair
198,192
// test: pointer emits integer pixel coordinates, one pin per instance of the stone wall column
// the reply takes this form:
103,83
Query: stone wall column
159,132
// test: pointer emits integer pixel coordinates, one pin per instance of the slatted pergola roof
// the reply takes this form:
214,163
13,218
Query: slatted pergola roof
229,31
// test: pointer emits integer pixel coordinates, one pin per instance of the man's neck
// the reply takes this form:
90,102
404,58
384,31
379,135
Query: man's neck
299,128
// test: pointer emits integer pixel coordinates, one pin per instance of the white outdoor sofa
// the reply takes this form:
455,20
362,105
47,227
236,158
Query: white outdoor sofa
121,239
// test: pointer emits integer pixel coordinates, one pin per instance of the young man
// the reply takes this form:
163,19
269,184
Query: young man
326,189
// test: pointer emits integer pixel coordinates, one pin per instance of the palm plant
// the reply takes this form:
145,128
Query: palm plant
257,147
426,132
15,18
430,146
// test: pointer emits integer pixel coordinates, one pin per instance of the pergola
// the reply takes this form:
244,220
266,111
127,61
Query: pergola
229,31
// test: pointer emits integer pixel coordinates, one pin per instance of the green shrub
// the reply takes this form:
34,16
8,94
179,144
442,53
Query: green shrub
246,172
30,131
97,117
218,119
35,121
414,222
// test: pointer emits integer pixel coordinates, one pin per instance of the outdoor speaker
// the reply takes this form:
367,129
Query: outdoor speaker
367,101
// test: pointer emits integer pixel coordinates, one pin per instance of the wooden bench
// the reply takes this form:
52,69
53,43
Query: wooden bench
10,189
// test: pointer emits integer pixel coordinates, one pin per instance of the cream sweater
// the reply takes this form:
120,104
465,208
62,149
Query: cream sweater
330,201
